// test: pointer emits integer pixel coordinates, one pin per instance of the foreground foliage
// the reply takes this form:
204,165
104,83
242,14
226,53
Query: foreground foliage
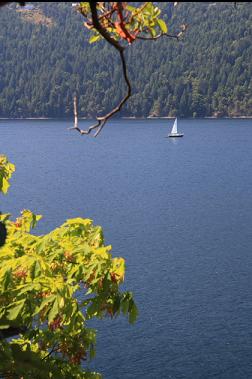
50,286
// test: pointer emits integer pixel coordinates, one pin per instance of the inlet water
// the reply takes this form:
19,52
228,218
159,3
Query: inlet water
179,212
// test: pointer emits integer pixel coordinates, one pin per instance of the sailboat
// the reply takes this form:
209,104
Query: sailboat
174,131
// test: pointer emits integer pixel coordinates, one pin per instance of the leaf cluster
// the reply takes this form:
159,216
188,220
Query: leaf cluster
123,21
50,286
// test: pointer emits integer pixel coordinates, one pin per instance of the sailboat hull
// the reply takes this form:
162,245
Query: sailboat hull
175,135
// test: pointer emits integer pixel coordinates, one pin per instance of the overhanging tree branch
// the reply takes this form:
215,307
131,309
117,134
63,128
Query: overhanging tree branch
96,21
101,121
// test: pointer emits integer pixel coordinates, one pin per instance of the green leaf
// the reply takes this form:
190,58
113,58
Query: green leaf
162,26
133,313
125,306
26,288
15,311
45,301
148,8
5,186
35,270
54,311
4,217
152,32
61,301
157,11
94,38
6,171
7,279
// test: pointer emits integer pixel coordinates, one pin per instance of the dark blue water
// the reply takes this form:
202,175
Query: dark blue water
179,211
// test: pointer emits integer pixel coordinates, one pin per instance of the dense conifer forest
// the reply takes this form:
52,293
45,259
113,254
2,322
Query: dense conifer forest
45,58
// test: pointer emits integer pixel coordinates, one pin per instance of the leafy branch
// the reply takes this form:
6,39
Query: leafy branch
43,323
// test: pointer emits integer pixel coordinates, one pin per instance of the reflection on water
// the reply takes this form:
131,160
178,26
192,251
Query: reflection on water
174,140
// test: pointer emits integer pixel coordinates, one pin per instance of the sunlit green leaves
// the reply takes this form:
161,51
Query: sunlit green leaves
84,8
125,22
6,171
163,26
95,38
29,220
53,311
6,279
14,311
42,279
35,270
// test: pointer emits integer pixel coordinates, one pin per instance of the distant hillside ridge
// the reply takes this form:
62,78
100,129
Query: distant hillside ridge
45,58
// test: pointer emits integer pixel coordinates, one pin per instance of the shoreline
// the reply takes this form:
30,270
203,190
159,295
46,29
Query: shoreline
131,118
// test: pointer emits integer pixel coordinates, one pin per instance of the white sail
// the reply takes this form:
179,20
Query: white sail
174,128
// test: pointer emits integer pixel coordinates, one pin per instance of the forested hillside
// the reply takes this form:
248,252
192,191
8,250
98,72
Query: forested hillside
45,57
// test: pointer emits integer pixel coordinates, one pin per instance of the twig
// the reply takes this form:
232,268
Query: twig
158,36
50,352
101,121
